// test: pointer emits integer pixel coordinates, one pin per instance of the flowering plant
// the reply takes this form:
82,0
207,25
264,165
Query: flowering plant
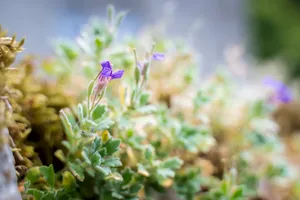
135,133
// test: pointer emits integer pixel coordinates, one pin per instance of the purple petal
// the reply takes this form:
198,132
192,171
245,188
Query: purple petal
158,56
106,64
285,99
284,95
275,84
117,74
106,69
282,92
106,72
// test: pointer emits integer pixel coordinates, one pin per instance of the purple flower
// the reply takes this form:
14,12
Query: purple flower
281,92
106,75
158,56
143,65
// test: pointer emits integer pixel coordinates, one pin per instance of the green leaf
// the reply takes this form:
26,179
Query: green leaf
117,195
142,170
104,170
149,153
224,187
98,111
112,146
37,194
135,188
188,76
237,193
48,196
144,98
115,176
80,111
85,155
60,155
110,13
76,170
103,152
67,145
68,51
87,124
49,174
112,162
33,174
148,109
119,18
66,120
104,124
166,173
127,174
68,181
90,172
172,163
62,195
97,143
98,44
96,159
137,75
257,109
200,100
70,116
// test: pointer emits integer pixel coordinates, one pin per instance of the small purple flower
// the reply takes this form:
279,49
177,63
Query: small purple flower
158,56
142,65
106,75
281,92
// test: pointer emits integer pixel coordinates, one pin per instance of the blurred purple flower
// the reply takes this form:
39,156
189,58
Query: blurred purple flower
281,92
158,56
142,64
106,75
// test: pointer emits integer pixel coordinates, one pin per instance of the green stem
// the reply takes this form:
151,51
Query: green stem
97,102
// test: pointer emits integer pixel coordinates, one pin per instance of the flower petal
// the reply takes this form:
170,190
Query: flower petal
282,92
106,64
106,69
158,56
117,74
272,83
106,72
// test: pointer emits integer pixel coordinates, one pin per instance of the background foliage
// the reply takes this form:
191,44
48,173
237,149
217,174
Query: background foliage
274,30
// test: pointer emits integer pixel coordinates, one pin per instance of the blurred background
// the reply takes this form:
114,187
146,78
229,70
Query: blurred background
216,24
267,30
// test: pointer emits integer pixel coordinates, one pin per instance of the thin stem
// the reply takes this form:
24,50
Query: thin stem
135,57
88,105
97,102
97,76
152,49
88,98
94,99
16,152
